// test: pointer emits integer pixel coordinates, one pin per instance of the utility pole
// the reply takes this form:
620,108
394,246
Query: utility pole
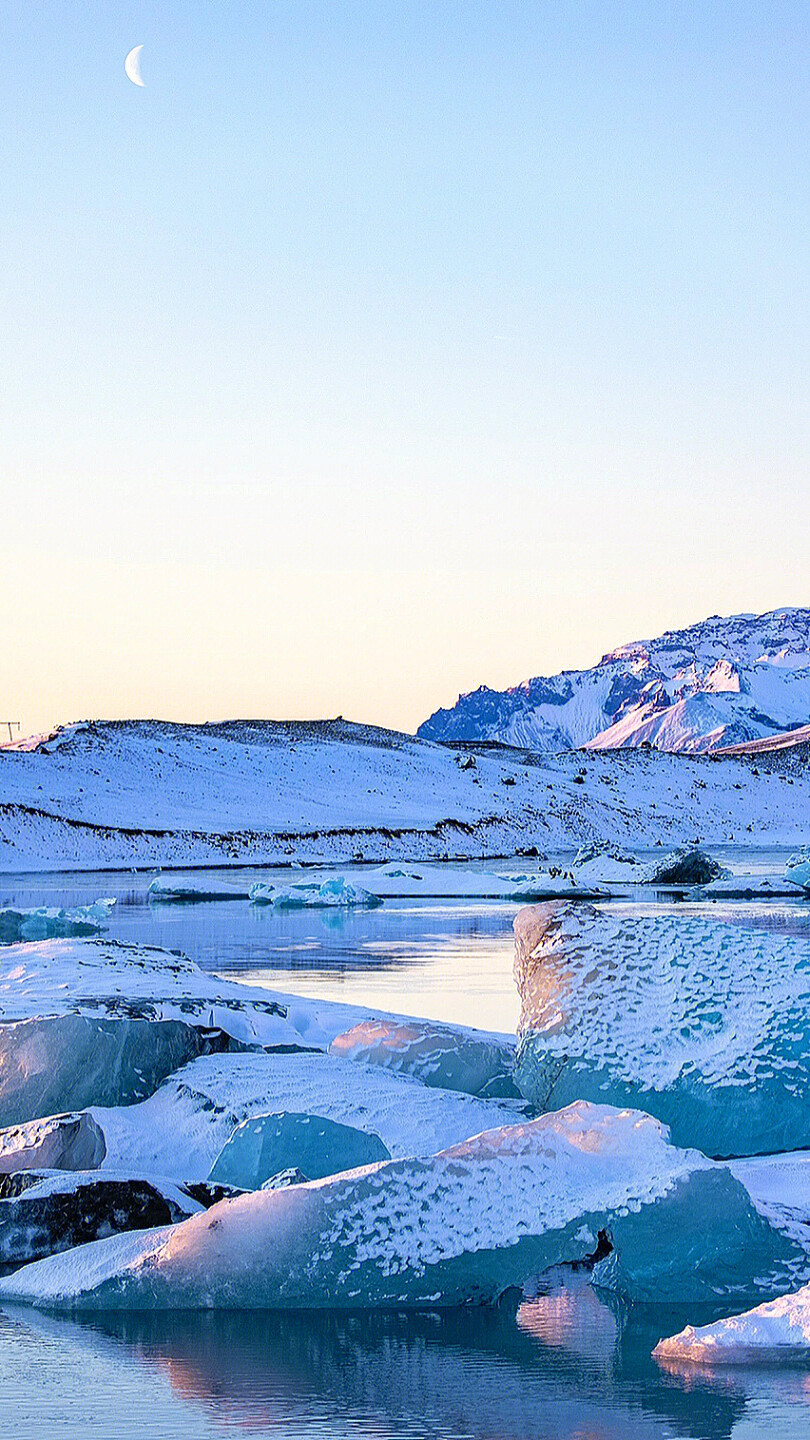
11,724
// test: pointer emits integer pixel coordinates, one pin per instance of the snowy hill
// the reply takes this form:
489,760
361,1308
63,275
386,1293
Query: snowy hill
149,793
718,683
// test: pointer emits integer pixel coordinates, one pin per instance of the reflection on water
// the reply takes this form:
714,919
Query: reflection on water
567,1367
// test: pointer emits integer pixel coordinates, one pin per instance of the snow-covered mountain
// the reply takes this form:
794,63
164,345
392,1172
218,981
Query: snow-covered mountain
720,682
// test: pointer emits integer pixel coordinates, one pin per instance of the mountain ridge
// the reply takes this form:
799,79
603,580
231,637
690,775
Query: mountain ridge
722,681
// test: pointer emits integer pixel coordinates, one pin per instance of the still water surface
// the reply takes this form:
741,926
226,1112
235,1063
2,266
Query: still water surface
567,1366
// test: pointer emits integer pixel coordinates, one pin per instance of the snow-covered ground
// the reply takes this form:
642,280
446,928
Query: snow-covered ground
146,794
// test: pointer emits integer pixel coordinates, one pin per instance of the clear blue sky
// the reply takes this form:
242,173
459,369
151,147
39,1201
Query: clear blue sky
375,350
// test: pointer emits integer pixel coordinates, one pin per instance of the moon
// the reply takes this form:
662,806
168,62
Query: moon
132,65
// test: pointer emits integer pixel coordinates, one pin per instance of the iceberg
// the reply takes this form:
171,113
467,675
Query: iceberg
331,894
435,1054
181,1129
460,1227
68,1062
776,1330
260,1149
798,868
48,922
704,1023
741,887
688,865
60,1142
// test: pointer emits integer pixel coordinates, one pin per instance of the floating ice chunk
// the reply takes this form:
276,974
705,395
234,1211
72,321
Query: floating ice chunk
266,1145
181,1129
798,868
331,894
702,1022
435,1054
67,1062
456,1228
601,863
108,978
688,865
43,1214
60,1142
48,922
776,1330
176,891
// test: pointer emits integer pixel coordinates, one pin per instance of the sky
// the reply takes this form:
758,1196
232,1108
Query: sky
377,349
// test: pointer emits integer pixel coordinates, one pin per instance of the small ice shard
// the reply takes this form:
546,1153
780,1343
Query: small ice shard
798,868
776,1330
181,1129
67,1062
60,1142
459,1227
48,922
688,865
43,1214
262,893
176,891
284,1179
331,894
266,1145
435,1054
702,1022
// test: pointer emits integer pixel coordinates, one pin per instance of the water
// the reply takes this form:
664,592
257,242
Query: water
567,1366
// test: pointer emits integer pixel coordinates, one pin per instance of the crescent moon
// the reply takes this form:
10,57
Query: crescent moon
132,65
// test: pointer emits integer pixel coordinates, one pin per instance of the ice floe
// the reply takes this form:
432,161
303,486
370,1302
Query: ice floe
776,1330
336,893
178,891
798,868
458,1227
702,1022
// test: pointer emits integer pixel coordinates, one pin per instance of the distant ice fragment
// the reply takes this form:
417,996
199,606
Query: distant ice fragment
266,1145
284,1179
337,893
460,1227
48,922
798,868
177,891
688,865
435,1054
702,1022
59,1142
776,1330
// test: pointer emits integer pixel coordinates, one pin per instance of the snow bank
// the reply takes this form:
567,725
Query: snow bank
459,1227
702,1022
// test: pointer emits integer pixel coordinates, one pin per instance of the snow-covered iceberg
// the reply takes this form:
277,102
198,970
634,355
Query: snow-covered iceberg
109,979
436,1054
776,1330
337,893
746,887
702,1022
460,1227
267,1146
49,922
181,1129
48,1212
798,868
